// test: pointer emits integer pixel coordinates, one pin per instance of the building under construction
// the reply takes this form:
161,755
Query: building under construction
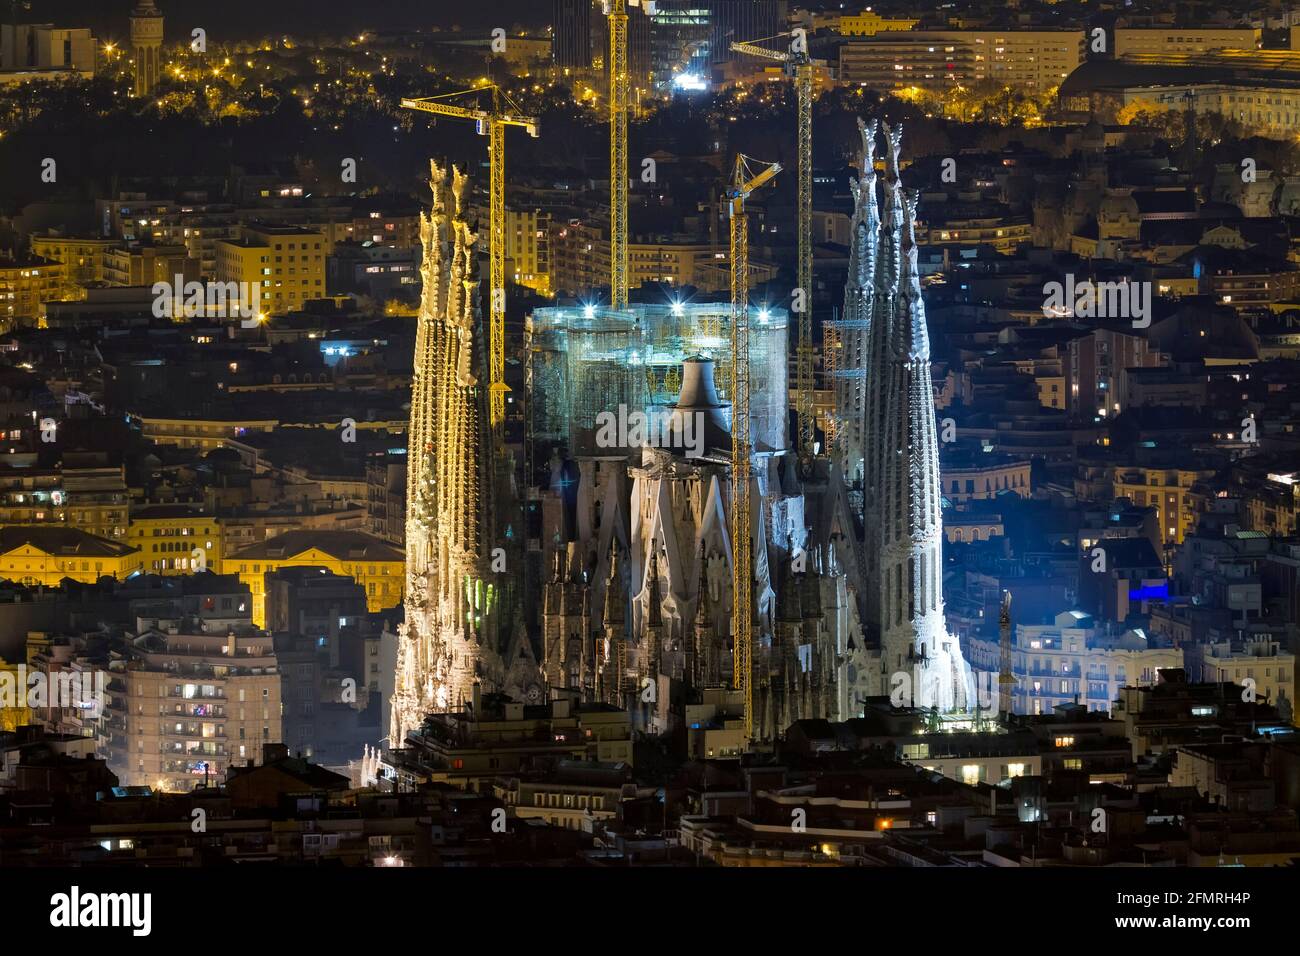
674,572
718,562
584,361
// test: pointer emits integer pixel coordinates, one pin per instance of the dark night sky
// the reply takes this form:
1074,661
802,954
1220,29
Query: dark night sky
256,18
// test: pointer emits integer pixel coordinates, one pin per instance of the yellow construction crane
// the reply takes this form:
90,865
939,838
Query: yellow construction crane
800,65
491,123
619,95
744,183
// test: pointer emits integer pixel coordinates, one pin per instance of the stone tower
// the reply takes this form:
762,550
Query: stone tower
455,634
850,386
146,45
903,519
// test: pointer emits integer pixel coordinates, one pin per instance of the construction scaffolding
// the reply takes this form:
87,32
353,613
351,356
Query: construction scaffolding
842,363
586,360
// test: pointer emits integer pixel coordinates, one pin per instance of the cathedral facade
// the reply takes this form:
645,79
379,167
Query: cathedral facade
848,568
636,544
638,608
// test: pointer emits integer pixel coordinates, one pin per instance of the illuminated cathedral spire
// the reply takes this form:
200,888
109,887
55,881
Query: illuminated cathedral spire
451,638
903,519
859,297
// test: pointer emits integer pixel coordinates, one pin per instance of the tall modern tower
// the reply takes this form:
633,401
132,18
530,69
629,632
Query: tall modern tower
450,644
903,519
571,36
737,20
146,45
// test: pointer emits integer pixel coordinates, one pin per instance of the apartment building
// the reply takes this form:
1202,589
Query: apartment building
498,737
1259,665
83,492
1130,40
1095,367
1002,233
376,565
1172,713
175,539
1169,491
1073,660
201,433
29,50
968,478
95,497
1233,776
573,805
193,704
26,283
82,257
1028,61
199,226
1260,89
676,263
528,249
287,262
146,264
31,496
869,23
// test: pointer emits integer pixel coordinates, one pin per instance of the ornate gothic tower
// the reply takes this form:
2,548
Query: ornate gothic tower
452,638
146,45
859,297
903,512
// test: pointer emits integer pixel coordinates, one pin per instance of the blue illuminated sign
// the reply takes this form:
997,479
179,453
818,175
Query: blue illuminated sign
1152,592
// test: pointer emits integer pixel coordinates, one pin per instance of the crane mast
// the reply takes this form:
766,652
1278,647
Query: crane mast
491,123
619,95
805,395
798,63
742,569
1006,680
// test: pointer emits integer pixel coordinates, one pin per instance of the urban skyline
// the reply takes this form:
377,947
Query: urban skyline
652,434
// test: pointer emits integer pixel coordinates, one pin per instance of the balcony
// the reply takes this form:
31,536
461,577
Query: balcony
192,712
193,755
190,767
192,734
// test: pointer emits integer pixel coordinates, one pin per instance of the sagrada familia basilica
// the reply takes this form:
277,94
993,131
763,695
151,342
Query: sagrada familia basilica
634,593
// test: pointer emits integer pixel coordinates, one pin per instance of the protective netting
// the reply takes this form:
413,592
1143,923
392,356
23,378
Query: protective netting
588,360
